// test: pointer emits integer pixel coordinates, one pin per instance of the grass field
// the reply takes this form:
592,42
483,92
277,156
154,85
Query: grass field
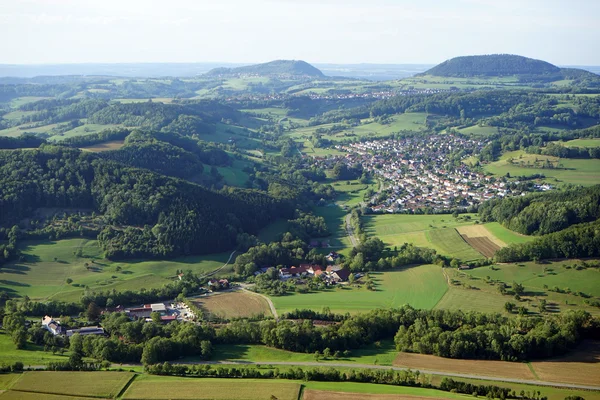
234,305
47,265
506,235
577,171
578,142
91,384
16,395
31,355
434,231
479,130
501,369
273,231
476,289
334,218
164,387
112,145
381,353
421,287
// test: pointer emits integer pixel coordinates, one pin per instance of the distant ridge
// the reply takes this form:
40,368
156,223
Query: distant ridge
277,67
492,65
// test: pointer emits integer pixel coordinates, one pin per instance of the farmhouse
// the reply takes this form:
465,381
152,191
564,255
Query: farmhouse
52,326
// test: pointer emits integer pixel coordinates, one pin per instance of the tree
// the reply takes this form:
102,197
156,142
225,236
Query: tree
206,349
155,317
518,288
327,352
508,306
93,312
19,337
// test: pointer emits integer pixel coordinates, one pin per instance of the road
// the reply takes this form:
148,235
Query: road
221,267
350,231
427,372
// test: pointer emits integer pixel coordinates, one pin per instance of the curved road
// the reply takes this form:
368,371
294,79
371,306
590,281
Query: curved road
271,305
221,267
369,366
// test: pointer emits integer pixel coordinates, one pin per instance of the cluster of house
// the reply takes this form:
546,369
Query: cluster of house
420,172
332,274
54,327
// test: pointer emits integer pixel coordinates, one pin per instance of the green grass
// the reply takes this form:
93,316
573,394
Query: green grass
93,384
273,231
19,101
15,395
334,218
8,380
578,142
31,355
433,231
421,287
479,130
164,387
352,192
234,175
82,130
506,235
382,353
41,277
578,171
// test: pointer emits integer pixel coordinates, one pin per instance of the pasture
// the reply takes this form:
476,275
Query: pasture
434,231
92,384
48,264
595,142
239,304
505,235
477,130
31,355
334,216
16,395
577,171
163,387
421,287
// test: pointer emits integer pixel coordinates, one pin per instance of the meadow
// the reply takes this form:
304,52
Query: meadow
334,216
48,264
31,355
421,287
576,171
112,145
434,231
582,143
239,304
91,384
162,387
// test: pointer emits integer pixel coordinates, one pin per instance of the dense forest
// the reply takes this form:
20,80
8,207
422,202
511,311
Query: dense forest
547,212
146,214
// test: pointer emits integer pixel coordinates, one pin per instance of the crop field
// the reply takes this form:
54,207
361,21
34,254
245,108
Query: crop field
448,241
481,239
577,171
31,355
91,384
457,298
234,305
163,387
16,395
502,369
580,367
421,287
505,235
372,391
112,145
48,264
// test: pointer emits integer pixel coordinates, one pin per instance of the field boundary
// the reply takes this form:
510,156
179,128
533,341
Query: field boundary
125,387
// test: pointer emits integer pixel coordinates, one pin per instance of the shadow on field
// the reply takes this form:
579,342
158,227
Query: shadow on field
15,269
13,283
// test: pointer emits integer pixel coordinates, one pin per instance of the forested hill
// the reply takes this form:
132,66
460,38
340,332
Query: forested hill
277,67
496,65
144,214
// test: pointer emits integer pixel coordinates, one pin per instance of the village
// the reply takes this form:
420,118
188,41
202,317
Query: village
421,173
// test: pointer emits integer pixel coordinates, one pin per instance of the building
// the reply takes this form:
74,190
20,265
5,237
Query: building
88,330
52,326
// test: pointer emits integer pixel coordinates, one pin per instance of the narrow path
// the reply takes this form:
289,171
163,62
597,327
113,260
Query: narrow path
220,268
369,366
350,231
271,305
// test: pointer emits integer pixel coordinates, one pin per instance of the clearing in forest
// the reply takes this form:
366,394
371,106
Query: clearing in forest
112,145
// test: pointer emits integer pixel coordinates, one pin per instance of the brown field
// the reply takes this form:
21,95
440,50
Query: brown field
502,369
112,145
479,231
234,305
482,240
581,366
310,394
15,395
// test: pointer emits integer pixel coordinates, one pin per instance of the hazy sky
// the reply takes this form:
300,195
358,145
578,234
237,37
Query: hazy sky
336,31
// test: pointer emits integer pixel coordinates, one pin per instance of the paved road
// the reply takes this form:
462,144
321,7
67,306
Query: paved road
350,231
427,372
271,305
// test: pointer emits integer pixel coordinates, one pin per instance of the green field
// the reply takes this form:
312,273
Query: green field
382,353
433,231
577,171
47,265
477,289
92,384
506,235
16,395
371,388
31,355
352,192
421,287
580,143
163,387
334,218
479,130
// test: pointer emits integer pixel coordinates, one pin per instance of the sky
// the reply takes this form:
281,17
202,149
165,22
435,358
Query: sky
563,32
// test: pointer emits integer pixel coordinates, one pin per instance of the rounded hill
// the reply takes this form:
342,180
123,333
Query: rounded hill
492,65
277,67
